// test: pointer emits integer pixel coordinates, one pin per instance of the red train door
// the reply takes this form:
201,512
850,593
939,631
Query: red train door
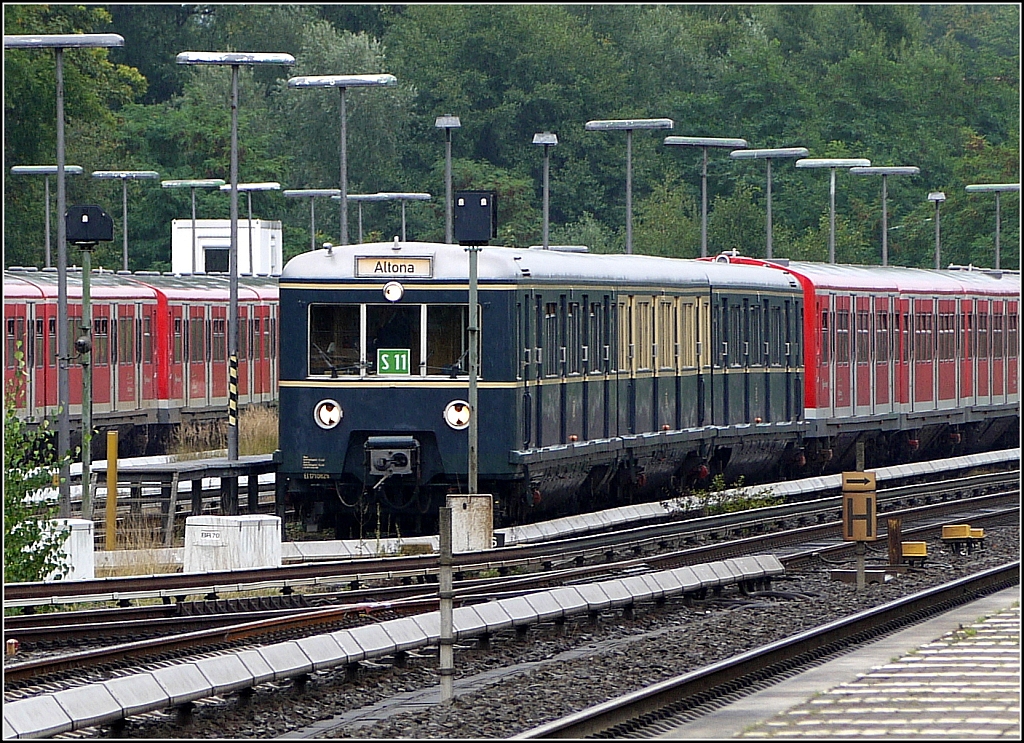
983,364
842,366
244,361
883,375
998,347
17,320
176,362
1012,349
126,382
75,362
924,367
965,351
946,353
149,361
102,379
863,363
903,347
195,366
218,356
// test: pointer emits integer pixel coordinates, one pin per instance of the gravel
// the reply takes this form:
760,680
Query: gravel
619,655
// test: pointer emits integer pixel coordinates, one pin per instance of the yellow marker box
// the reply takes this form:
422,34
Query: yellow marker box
977,533
956,531
914,549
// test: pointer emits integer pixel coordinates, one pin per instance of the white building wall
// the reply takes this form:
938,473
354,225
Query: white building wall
267,244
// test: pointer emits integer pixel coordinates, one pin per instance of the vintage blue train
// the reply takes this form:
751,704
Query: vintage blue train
603,378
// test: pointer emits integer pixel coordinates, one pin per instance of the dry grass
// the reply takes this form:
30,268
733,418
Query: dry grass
257,434
139,539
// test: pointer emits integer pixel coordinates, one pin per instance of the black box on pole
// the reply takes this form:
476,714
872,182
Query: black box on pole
88,224
476,217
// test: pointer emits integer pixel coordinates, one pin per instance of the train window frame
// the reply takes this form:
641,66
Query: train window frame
1012,335
196,340
644,337
842,336
100,340
126,339
688,333
549,339
39,344
998,345
923,337
862,338
573,339
883,345
666,334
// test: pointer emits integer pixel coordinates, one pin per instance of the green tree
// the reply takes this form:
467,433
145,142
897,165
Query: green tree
31,551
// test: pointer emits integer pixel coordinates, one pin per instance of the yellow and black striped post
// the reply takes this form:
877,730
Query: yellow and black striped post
233,391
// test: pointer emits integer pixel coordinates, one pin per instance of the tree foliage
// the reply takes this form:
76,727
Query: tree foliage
936,86
31,550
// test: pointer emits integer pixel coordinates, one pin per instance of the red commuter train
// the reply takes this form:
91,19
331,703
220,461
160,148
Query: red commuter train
159,347
906,359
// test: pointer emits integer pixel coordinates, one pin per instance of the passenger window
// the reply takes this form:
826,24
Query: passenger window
448,340
333,339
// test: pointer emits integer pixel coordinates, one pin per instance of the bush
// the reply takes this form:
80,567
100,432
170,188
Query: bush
31,551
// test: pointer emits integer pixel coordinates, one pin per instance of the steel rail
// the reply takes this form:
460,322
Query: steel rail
618,716
361,570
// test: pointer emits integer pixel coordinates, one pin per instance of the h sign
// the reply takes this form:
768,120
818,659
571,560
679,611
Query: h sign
860,523
393,361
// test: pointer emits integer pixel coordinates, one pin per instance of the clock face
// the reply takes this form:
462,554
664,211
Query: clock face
327,414
393,291
457,414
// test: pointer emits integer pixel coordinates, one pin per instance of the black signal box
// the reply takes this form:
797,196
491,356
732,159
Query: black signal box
476,217
88,224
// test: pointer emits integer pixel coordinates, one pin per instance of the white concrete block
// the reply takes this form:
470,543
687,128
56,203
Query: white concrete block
472,522
232,542
77,548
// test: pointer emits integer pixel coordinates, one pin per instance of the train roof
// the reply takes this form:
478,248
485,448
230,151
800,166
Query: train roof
518,265
892,279
36,284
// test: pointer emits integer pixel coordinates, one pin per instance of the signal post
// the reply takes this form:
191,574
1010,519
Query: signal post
859,520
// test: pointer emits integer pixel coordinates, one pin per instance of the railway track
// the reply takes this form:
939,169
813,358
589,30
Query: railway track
651,711
202,631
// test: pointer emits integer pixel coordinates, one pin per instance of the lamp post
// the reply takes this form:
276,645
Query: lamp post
359,198
249,188
628,125
124,176
704,143
549,140
885,172
447,122
832,164
192,185
312,193
47,171
769,155
342,82
996,188
60,42
234,60
937,197
404,197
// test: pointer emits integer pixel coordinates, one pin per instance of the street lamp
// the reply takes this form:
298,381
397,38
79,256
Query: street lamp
549,140
359,198
192,185
937,197
249,188
447,122
996,188
46,170
60,42
342,82
403,197
234,60
769,155
704,143
312,193
832,164
125,176
628,125
885,172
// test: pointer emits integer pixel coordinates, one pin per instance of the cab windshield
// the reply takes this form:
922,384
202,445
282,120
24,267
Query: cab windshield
414,340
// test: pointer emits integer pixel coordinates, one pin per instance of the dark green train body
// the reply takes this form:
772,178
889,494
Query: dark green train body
603,379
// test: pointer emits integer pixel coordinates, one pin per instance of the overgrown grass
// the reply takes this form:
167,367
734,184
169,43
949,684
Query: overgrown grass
139,537
257,434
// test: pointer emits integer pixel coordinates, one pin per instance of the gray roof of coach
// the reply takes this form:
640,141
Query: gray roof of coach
497,264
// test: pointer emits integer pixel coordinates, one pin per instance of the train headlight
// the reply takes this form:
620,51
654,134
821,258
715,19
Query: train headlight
456,414
327,414
393,291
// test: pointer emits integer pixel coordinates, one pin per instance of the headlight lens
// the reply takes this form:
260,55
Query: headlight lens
327,414
456,414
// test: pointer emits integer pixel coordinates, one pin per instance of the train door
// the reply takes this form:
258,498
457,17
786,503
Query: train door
123,356
642,402
688,393
842,366
102,376
626,366
177,389
704,359
946,354
195,358
824,376
862,364
1012,350
18,321
149,390
983,365
998,351
595,366
666,364
217,367
882,362
526,344
924,366
965,351
245,389
75,360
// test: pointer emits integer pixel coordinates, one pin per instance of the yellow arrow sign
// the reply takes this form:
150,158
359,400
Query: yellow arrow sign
858,482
